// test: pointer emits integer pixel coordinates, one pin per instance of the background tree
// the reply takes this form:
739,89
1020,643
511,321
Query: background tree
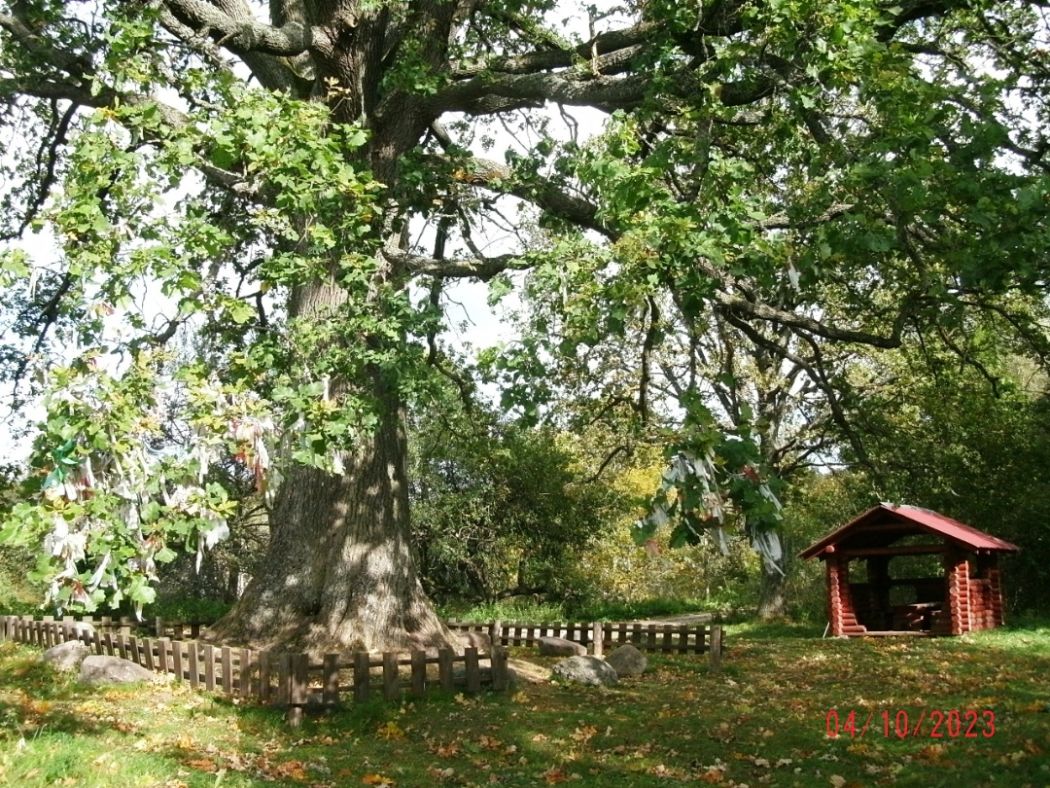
273,212
965,437
500,510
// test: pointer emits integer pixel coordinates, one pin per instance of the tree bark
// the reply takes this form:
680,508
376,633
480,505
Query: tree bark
772,602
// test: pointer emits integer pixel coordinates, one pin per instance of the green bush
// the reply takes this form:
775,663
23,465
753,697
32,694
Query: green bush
204,611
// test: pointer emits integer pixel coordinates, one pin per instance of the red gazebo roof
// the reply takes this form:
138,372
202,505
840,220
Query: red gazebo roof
925,519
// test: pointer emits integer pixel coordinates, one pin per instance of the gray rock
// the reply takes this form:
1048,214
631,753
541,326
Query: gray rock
114,670
628,661
479,640
528,672
81,628
585,670
66,656
559,647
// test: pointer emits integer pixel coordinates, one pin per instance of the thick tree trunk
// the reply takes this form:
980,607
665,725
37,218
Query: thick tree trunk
339,574
772,603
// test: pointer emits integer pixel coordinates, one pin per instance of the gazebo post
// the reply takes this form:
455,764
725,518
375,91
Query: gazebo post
838,577
995,580
879,581
958,573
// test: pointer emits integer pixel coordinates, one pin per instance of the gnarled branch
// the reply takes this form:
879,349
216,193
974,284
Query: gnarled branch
243,33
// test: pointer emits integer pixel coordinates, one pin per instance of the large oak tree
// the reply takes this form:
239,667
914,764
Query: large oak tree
251,178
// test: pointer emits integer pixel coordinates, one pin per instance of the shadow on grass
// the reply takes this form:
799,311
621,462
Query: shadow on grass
774,630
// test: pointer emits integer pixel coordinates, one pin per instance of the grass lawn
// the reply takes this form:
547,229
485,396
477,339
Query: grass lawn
763,721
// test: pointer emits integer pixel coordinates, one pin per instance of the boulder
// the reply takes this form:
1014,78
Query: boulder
559,647
81,628
114,670
585,670
66,656
522,670
479,640
627,661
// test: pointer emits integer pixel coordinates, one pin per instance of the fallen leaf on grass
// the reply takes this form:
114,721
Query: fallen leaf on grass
390,731
584,733
931,753
294,770
376,779
446,750
203,764
554,775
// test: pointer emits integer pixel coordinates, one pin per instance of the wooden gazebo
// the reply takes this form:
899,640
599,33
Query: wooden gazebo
968,596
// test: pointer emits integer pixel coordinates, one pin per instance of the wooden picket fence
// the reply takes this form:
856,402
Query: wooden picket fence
596,636
291,681
599,636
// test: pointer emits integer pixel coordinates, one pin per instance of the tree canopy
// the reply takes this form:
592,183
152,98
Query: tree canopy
256,211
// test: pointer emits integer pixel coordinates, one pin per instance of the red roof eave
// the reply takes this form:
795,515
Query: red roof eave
924,518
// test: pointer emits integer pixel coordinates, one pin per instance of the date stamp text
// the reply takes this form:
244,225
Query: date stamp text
904,724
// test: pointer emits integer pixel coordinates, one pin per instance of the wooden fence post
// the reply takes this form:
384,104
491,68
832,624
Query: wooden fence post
284,679
191,659
330,680
716,648
163,647
470,657
227,670
362,677
445,676
597,638
496,633
264,677
419,672
391,690
300,682
209,667
176,660
500,674
133,649
244,676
